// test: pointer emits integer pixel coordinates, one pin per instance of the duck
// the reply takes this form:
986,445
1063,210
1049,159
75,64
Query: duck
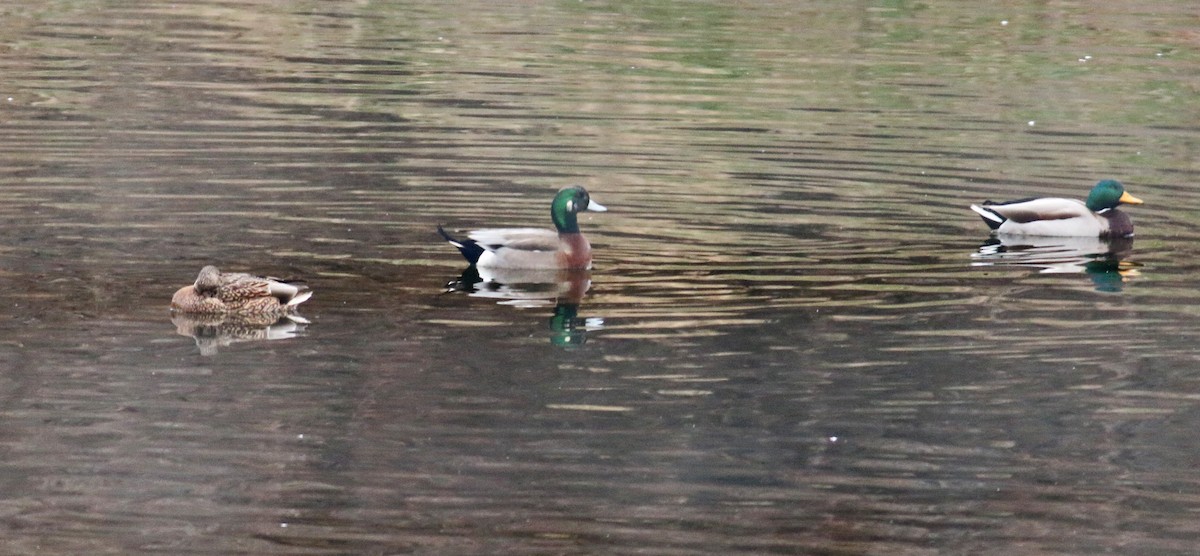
564,248
1052,216
238,294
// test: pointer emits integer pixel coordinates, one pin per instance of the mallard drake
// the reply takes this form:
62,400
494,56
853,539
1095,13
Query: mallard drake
534,248
1052,216
234,293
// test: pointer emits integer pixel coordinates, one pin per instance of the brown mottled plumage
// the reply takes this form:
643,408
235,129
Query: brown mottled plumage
235,293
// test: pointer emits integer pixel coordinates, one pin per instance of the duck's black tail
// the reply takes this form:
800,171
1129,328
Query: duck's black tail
991,217
469,249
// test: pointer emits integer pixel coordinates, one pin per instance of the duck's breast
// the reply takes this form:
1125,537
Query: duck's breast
188,300
1119,224
574,251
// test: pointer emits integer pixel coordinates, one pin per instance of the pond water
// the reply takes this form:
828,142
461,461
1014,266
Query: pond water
796,337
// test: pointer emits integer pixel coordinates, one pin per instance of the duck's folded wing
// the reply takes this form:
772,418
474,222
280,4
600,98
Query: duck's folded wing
524,239
240,287
1033,210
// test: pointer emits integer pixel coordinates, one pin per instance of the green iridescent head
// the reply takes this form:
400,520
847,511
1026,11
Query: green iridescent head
567,203
1108,194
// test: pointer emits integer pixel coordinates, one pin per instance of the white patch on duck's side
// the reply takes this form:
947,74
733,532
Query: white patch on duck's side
509,258
1083,225
487,259
1047,216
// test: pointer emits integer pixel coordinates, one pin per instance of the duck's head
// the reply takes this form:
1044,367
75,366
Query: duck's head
208,280
1108,194
568,202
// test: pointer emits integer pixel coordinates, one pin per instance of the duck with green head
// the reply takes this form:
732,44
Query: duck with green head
564,248
1052,216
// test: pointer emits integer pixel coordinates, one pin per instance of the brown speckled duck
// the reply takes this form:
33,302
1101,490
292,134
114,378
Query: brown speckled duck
238,294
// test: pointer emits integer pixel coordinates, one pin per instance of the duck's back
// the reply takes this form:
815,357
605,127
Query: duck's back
1044,208
526,239
239,288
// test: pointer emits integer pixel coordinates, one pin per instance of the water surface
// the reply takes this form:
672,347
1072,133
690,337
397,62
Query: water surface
796,338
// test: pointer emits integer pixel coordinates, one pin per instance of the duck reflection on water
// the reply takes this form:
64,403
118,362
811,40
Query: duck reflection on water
1103,260
213,332
527,288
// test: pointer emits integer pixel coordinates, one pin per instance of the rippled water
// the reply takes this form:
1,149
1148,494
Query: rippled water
796,338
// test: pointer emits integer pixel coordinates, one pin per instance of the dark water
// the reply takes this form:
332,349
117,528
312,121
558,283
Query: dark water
796,340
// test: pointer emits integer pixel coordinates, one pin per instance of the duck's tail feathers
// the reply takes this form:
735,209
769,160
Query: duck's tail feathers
284,291
448,237
300,298
469,249
992,218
